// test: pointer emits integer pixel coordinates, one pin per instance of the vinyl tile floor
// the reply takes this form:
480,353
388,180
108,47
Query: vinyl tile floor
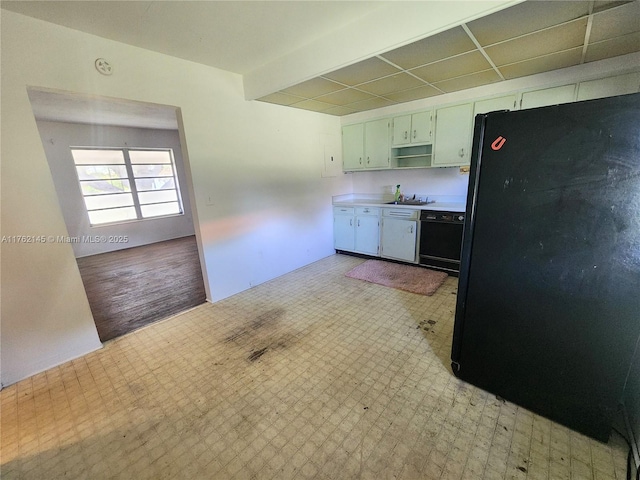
312,375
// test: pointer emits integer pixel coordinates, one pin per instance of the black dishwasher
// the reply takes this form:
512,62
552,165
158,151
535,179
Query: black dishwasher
441,240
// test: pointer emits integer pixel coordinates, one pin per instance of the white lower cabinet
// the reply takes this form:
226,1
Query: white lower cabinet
367,230
357,229
399,234
344,233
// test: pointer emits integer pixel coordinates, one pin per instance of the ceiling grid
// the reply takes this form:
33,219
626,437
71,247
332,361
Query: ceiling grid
529,38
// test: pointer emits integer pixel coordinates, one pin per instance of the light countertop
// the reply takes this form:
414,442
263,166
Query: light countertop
448,203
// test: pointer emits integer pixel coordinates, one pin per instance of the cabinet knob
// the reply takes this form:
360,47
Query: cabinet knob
414,134
405,134
461,152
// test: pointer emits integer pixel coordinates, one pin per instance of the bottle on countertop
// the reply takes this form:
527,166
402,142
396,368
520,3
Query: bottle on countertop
398,194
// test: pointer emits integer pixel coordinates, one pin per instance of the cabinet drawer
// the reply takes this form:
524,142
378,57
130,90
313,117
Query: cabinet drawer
343,210
367,211
404,213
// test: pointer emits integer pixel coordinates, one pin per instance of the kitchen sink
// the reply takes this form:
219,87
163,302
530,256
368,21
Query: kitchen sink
409,202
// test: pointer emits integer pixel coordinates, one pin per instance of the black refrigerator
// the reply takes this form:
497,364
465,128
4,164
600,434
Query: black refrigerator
548,305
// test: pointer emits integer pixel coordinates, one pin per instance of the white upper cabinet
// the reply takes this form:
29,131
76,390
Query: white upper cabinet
412,129
609,87
508,102
366,145
376,144
442,137
548,96
453,136
353,147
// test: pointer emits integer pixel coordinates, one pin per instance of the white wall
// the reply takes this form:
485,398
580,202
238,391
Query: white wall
262,207
430,181
58,137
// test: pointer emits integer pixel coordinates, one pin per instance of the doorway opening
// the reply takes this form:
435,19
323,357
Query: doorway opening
126,197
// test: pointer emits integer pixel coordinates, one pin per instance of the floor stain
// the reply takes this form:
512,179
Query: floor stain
267,318
235,336
256,354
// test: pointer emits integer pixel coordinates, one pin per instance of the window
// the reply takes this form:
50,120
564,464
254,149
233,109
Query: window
124,184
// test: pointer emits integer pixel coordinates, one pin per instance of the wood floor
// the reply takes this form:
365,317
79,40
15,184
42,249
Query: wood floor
131,288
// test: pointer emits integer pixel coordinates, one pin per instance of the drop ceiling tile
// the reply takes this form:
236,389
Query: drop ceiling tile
453,67
339,111
345,97
313,105
615,22
313,88
545,63
526,17
600,5
614,47
431,49
370,104
555,39
361,72
469,81
392,83
280,98
414,94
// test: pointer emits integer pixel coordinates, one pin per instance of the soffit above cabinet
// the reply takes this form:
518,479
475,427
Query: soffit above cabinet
528,38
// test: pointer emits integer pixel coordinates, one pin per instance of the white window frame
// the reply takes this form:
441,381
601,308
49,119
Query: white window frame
135,192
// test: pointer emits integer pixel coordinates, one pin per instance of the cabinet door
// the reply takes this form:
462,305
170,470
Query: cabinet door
493,104
453,136
609,87
401,129
399,239
376,143
421,127
343,232
548,96
353,147
367,234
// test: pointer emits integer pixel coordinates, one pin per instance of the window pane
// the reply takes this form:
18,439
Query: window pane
160,209
157,196
152,170
100,157
149,156
108,201
96,172
99,187
114,215
145,184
